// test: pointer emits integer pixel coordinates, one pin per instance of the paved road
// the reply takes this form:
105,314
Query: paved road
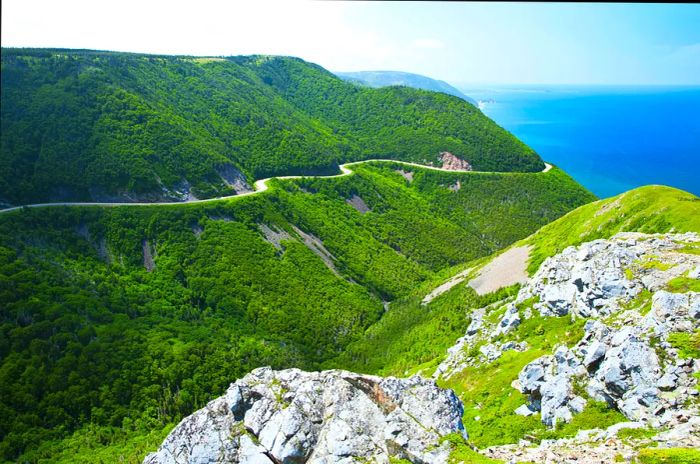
259,186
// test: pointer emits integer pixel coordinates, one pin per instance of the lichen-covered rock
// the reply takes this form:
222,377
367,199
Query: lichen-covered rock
621,367
509,321
625,356
592,280
616,361
293,416
548,381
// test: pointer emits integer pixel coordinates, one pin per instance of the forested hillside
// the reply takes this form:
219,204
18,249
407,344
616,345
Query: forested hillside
118,321
81,125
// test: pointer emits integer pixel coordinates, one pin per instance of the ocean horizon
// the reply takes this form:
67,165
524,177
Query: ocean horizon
609,138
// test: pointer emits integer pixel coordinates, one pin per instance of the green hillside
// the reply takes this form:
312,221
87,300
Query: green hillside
81,125
413,337
649,209
116,322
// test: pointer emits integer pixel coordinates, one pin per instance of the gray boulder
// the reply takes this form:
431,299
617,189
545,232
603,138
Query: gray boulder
293,416
673,312
593,279
509,321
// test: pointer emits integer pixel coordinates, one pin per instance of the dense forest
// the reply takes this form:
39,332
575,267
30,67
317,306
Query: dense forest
81,125
116,322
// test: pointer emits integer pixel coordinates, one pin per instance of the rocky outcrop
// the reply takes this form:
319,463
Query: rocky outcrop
629,365
593,279
598,446
625,357
359,204
234,178
274,235
452,163
408,175
293,416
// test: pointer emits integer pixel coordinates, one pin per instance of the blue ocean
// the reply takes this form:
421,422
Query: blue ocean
610,139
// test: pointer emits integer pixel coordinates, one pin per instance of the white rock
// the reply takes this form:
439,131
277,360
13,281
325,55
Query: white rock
317,417
524,410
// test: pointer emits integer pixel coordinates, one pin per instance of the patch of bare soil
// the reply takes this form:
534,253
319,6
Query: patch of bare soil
452,163
437,291
504,270
274,235
315,244
359,204
148,253
408,175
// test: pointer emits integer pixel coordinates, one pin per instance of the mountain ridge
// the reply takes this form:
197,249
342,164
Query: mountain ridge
82,125
393,78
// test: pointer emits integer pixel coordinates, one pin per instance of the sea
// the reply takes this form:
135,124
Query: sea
610,139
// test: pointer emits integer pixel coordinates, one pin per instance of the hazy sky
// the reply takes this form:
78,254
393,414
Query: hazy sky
458,42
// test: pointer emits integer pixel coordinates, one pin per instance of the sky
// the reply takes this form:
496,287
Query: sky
460,42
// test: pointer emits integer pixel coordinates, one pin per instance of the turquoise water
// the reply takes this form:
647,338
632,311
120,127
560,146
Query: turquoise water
610,139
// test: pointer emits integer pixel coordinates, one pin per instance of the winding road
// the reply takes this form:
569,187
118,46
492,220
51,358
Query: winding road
259,186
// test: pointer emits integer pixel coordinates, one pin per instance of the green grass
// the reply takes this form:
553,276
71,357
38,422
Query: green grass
690,248
596,415
641,302
687,344
461,453
393,460
668,456
650,209
411,336
683,284
486,390
637,434
653,262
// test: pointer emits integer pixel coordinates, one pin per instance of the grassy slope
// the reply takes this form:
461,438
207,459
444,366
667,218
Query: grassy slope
413,338
650,209
81,124
90,336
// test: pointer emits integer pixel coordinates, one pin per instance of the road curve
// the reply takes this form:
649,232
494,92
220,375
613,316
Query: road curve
259,186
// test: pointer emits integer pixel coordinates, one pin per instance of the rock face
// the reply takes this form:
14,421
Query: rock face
625,356
619,359
591,280
619,364
293,416
234,178
452,163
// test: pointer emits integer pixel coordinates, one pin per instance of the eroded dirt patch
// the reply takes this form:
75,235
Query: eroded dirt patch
437,291
274,235
315,244
408,175
506,269
359,204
